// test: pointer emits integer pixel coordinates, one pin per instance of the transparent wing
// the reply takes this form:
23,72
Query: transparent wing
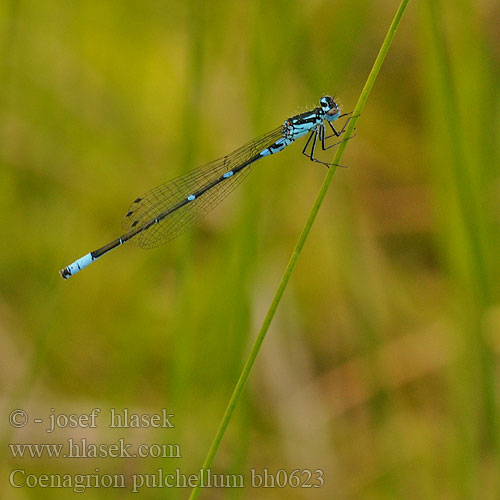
151,204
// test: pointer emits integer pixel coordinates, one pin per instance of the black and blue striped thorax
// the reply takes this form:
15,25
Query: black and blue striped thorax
301,124
304,123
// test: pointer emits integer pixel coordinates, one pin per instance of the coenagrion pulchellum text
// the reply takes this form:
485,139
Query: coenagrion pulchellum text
167,210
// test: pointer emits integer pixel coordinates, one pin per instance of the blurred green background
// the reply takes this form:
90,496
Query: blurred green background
381,366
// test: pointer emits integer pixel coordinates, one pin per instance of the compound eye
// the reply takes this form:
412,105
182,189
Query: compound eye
327,103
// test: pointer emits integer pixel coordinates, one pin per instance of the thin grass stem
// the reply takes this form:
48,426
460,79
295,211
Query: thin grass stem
297,250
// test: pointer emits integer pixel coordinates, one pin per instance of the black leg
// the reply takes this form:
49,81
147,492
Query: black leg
312,158
307,143
337,143
336,133
321,133
313,147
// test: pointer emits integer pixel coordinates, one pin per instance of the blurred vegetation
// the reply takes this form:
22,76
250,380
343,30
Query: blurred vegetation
382,364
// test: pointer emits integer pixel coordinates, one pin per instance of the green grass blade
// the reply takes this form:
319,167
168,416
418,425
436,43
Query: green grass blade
298,249
475,388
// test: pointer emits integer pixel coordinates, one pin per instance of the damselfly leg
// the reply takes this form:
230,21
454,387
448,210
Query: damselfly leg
334,130
319,135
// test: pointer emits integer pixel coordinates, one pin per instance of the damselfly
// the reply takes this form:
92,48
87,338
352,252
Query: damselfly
166,211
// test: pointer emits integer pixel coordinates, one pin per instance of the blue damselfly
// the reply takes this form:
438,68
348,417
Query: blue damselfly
166,211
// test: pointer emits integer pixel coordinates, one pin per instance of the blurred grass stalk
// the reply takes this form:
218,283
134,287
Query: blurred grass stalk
463,161
298,248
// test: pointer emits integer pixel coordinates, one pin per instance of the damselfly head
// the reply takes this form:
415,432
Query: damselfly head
329,106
